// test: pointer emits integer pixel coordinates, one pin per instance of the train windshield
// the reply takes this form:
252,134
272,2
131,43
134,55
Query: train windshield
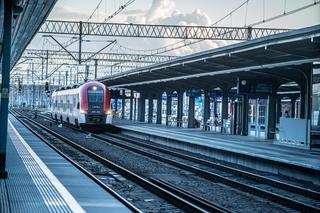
95,95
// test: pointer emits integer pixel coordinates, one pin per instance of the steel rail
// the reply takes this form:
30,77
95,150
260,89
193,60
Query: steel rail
213,176
247,174
148,185
225,180
19,117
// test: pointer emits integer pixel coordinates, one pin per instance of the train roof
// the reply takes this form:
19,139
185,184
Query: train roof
74,86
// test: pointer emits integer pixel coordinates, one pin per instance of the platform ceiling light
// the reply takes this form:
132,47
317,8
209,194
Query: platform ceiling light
243,82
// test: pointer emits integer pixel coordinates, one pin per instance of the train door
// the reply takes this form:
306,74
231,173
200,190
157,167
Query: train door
258,118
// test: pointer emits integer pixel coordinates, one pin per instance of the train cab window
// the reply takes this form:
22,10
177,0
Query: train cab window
95,95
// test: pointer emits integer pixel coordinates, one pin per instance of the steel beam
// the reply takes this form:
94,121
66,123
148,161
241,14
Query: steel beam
114,57
156,31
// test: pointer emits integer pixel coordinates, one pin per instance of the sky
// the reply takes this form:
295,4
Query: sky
181,12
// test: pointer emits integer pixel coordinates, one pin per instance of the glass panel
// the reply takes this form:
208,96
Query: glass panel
95,95
315,116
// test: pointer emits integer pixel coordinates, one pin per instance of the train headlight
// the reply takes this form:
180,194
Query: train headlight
83,111
94,88
108,112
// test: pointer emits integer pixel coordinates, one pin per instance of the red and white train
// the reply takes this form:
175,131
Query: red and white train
86,106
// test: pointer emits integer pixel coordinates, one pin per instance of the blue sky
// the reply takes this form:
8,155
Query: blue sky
215,9
182,12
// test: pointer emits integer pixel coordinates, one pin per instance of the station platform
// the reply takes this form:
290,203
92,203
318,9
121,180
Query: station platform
41,180
259,154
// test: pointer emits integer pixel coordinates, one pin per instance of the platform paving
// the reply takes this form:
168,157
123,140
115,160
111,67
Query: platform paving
40,180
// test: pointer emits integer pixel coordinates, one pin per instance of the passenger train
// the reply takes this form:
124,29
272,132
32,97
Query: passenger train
86,106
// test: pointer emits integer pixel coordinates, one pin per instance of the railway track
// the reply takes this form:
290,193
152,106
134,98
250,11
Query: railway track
253,188
186,201
267,188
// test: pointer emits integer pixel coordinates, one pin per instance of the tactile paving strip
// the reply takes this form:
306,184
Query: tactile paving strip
41,191
4,201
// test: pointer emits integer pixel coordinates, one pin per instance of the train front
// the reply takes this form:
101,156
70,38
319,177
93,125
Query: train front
95,108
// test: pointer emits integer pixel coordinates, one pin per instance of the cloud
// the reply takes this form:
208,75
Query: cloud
132,12
165,12
160,9
62,12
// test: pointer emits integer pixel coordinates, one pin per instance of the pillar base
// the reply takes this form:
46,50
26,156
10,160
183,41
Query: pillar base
3,174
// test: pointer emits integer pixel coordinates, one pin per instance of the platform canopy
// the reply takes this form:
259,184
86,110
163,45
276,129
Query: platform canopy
27,18
273,57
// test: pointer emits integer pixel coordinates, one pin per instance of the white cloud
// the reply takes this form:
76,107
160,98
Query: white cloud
160,9
62,12
165,12
160,12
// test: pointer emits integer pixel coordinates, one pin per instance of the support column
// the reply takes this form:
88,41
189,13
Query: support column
215,106
168,111
159,109
180,109
141,108
6,51
293,107
279,108
224,108
235,118
302,101
245,115
150,110
191,118
123,103
135,109
305,93
131,105
206,110
272,117
116,105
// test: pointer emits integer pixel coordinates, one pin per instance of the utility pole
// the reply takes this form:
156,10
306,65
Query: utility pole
86,73
42,67
80,41
33,85
66,82
47,63
70,76
77,74
95,68
59,79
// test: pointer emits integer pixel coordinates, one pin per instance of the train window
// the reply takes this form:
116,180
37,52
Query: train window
95,95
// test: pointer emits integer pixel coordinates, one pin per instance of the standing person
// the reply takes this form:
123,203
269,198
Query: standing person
286,114
216,121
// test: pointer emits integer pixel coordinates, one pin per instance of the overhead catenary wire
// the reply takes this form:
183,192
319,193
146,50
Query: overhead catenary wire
70,42
285,14
185,43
